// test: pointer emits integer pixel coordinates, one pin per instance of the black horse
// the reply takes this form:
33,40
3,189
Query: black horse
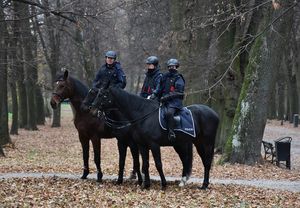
92,128
114,118
143,114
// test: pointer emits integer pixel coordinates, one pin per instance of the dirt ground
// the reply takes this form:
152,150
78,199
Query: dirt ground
58,150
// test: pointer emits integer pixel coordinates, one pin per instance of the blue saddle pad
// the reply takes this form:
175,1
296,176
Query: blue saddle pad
184,121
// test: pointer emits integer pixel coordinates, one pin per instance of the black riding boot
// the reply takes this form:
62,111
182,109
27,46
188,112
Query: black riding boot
170,121
171,135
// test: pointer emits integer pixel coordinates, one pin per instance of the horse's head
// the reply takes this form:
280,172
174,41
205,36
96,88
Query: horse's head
103,100
62,90
87,103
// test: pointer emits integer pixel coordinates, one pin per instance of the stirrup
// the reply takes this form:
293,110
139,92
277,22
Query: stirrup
171,136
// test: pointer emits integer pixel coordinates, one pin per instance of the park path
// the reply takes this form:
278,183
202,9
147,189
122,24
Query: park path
284,185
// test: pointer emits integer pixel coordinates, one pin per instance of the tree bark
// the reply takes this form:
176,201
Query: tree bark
16,68
244,142
290,64
30,68
4,37
52,55
1,152
39,100
14,125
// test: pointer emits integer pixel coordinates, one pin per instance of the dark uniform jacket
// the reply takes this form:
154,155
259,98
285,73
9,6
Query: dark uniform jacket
110,76
151,83
172,83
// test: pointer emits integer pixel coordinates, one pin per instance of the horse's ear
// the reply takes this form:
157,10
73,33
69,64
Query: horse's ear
66,74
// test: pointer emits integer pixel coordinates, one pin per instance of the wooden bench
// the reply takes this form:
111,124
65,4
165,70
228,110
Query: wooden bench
269,150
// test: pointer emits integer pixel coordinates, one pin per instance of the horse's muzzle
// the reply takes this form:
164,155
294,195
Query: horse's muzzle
53,103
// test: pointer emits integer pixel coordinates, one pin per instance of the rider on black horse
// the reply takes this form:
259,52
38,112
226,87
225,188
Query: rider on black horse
110,73
172,93
152,80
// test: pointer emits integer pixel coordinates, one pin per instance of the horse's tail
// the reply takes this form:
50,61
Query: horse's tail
190,159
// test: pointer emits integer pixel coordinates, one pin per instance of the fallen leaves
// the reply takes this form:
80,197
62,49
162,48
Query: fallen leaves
59,150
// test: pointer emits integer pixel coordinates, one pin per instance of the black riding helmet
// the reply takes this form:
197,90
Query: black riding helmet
111,54
152,60
173,62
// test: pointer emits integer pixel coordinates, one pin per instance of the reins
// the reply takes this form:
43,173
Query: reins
123,124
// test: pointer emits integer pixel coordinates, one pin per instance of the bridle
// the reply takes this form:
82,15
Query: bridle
61,98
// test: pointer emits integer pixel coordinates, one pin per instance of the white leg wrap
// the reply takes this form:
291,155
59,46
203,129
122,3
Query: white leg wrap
183,181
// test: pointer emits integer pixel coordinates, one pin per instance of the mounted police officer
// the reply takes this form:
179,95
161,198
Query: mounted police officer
172,92
152,80
110,74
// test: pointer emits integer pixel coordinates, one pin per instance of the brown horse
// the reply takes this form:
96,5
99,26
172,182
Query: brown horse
92,128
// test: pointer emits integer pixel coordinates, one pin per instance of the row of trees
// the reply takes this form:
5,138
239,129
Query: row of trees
240,57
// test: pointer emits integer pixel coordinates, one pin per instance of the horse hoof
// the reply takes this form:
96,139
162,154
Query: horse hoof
140,182
132,175
163,188
99,177
86,172
145,186
203,187
84,176
119,181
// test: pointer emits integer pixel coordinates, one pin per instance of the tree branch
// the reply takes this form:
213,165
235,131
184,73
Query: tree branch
54,12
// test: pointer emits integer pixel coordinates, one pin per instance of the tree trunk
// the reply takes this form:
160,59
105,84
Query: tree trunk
39,101
30,69
22,95
15,117
244,142
4,135
272,104
1,152
281,100
52,55
292,80
16,67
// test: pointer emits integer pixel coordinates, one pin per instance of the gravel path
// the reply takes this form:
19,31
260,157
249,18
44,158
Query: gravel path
284,185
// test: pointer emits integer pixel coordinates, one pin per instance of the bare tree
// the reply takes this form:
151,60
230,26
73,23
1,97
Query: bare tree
4,135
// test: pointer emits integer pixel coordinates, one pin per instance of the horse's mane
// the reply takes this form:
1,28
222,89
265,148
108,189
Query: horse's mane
136,102
81,88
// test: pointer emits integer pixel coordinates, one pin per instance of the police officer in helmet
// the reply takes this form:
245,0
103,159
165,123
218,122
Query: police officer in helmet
110,73
152,80
172,92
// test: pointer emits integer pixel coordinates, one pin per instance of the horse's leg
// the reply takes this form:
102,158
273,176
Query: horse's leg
122,147
206,153
185,153
145,166
97,157
155,149
136,161
85,153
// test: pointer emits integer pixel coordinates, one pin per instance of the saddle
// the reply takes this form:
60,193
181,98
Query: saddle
183,121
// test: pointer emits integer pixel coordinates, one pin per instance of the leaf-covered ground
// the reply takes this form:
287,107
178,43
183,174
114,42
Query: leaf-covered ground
57,192
58,150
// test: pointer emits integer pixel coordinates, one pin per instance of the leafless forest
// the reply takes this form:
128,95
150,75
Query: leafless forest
239,57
